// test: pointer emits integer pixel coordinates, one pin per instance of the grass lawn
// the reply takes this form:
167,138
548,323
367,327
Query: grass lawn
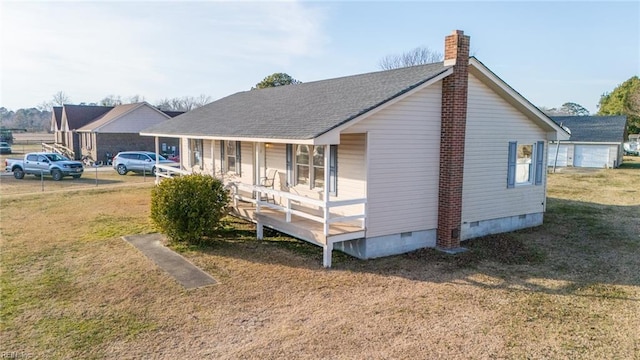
570,289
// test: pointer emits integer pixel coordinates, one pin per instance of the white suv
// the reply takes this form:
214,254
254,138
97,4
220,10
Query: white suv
139,161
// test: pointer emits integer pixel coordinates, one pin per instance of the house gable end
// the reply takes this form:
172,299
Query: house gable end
133,120
492,81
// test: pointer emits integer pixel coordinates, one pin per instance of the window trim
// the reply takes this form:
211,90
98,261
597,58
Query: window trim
536,167
292,167
224,157
196,146
529,180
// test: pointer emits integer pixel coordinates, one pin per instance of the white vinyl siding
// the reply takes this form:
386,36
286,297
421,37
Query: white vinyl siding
563,155
491,124
247,153
207,157
134,121
275,159
351,172
403,144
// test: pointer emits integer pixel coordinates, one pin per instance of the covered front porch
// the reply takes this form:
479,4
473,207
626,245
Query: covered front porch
271,197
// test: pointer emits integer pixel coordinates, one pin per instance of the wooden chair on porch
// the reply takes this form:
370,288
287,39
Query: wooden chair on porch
269,182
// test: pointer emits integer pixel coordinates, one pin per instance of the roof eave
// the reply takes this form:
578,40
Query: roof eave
233,138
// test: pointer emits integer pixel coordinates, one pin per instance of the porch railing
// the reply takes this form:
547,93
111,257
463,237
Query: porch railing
238,188
326,219
165,171
60,149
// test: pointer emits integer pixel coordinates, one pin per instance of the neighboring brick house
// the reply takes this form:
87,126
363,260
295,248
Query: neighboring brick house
73,118
98,131
379,163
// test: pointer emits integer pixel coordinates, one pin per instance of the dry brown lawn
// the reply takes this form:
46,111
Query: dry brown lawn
570,289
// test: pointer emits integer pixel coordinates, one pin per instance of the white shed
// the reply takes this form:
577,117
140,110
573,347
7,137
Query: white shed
595,142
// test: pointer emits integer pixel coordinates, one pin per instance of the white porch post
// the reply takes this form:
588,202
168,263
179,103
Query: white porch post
182,167
213,159
326,254
259,230
157,141
325,198
257,169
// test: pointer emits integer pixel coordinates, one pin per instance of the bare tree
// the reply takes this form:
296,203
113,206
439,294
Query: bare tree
134,99
185,103
60,98
111,100
418,56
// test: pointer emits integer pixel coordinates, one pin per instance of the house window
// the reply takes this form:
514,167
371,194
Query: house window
230,154
318,166
525,164
196,146
302,164
309,166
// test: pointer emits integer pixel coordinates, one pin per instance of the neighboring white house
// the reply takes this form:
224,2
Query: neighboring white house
379,163
596,142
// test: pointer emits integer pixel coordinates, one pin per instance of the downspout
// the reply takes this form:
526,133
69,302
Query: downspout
556,160
555,163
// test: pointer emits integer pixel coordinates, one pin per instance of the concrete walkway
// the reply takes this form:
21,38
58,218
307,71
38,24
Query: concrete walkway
187,274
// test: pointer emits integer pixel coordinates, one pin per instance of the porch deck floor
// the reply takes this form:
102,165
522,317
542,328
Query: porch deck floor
299,227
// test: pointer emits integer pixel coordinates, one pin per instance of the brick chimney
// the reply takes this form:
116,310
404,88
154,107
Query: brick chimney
452,137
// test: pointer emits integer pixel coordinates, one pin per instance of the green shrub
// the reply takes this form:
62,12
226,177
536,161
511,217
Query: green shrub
189,208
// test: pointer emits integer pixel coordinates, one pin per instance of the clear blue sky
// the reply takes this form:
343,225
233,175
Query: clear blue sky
550,52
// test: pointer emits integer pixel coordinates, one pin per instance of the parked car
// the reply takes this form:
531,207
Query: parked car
632,148
42,163
5,148
139,161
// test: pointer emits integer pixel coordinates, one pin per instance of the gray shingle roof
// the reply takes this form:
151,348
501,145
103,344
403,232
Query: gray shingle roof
301,111
594,128
57,116
80,115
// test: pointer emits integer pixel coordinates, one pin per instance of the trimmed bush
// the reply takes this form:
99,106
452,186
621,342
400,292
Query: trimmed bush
189,208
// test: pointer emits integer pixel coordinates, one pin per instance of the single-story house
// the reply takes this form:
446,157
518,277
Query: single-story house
96,131
74,117
596,142
379,163
119,130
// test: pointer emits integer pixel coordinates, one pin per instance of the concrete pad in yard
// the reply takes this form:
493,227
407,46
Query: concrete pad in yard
187,274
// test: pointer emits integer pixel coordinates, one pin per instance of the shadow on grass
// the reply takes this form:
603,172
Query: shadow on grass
582,249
